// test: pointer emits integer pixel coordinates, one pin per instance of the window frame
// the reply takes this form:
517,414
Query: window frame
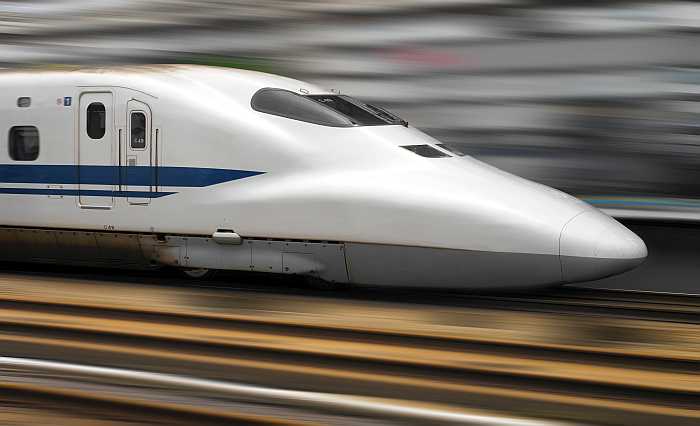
10,142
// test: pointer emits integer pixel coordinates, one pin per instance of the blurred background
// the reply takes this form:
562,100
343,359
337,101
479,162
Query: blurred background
599,99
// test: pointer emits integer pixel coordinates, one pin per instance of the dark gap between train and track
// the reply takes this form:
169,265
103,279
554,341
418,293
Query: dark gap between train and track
568,301
655,301
573,308
573,291
293,285
529,350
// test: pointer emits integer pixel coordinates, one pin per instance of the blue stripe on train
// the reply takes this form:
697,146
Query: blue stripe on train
109,175
84,192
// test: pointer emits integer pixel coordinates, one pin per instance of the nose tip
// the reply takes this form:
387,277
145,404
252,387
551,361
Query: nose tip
593,245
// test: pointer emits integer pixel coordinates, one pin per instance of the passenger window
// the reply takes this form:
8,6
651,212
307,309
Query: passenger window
24,143
96,120
138,130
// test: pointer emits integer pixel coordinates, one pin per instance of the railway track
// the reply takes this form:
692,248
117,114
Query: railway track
602,368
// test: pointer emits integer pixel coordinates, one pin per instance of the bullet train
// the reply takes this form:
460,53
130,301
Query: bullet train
205,168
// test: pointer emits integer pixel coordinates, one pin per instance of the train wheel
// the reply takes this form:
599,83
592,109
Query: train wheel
199,273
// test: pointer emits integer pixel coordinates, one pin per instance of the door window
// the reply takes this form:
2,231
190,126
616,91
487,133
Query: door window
138,130
96,120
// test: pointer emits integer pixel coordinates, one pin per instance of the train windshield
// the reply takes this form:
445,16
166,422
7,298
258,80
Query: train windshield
360,113
325,110
296,107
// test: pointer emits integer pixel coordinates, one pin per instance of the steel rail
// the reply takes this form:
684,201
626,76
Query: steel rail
303,399
99,405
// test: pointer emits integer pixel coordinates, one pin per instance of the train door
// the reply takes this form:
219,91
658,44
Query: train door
141,164
97,171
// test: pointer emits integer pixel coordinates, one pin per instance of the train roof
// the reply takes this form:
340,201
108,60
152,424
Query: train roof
152,79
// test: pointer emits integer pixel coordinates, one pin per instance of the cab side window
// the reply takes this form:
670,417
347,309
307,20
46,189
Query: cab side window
24,143
96,120
138,130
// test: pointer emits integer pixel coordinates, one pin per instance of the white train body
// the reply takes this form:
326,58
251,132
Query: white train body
211,182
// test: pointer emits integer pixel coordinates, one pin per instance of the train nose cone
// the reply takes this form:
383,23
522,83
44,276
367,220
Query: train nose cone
593,245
